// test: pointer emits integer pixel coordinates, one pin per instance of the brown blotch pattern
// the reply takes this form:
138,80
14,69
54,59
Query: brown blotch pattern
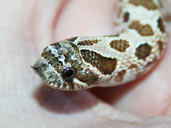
143,51
133,66
161,45
86,76
88,42
148,4
144,30
161,25
120,45
126,17
103,64
120,76
52,60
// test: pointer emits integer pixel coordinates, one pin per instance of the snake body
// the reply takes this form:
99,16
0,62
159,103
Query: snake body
86,62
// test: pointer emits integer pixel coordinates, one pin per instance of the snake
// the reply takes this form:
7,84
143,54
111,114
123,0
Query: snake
80,63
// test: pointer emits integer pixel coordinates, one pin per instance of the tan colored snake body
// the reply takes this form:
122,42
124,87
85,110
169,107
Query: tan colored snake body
86,62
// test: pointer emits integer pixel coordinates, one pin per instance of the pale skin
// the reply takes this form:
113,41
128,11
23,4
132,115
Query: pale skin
27,26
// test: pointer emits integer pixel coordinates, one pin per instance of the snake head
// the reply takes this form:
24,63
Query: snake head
61,67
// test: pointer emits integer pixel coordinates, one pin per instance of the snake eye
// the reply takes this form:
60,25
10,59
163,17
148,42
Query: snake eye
69,74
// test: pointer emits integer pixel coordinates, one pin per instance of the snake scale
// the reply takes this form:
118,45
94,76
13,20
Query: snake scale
85,62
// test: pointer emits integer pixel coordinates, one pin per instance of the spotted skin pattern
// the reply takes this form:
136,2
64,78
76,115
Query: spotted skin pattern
85,62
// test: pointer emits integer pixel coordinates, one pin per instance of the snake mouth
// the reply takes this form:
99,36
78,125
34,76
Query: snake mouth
47,73
38,68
